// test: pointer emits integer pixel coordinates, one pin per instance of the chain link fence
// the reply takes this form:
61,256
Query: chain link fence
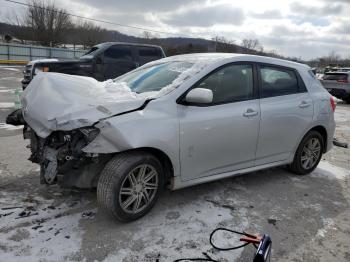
25,53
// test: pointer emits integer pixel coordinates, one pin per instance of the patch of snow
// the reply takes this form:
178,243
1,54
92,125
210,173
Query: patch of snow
183,233
341,115
327,170
7,105
51,235
328,224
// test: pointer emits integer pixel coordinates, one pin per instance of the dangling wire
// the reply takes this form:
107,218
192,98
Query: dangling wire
208,258
231,231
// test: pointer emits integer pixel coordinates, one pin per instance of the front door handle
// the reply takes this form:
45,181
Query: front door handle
250,112
304,104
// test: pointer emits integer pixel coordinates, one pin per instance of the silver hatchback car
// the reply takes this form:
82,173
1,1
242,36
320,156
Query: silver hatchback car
178,121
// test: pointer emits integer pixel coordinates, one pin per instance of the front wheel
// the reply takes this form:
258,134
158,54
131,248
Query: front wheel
308,154
130,184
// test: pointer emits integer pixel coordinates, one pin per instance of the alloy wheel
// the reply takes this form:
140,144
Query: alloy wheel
311,153
138,188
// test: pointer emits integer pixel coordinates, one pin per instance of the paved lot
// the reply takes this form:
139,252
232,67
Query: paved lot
307,217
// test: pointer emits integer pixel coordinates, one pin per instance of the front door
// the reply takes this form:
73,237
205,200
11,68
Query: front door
221,136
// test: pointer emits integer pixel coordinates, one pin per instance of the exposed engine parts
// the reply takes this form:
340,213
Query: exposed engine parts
61,151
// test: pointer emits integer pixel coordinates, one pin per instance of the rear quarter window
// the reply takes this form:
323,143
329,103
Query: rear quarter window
148,54
336,77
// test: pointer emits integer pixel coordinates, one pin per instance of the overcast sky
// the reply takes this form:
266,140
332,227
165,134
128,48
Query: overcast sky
299,28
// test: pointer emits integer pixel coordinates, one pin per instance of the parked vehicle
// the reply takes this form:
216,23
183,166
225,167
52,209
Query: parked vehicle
178,121
102,62
337,84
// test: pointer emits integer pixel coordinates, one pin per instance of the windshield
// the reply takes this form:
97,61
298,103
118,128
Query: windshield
154,78
91,52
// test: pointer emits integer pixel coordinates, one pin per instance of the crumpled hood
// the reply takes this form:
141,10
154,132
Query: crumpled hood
54,101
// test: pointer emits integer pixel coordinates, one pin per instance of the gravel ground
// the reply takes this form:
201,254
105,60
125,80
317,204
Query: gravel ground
307,217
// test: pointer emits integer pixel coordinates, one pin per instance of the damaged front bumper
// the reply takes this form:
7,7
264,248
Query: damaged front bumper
61,158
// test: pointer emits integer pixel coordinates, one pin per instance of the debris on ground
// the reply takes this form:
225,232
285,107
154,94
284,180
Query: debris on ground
88,214
272,221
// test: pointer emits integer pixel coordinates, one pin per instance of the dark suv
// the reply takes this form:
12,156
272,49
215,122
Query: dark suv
103,61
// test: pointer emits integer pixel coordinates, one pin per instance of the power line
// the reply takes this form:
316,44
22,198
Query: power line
104,21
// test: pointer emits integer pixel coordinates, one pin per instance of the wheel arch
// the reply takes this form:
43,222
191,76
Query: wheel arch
161,156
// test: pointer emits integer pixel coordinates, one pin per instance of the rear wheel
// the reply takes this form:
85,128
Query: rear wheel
130,185
308,154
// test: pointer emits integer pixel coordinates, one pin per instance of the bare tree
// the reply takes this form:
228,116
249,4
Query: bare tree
251,46
48,22
88,34
224,45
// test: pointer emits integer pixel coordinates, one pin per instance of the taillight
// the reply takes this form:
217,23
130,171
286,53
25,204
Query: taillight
333,103
343,81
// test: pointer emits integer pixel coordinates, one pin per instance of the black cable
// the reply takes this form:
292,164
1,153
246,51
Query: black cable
208,258
228,230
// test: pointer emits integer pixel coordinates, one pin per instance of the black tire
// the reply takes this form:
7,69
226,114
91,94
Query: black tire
115,174
296,166
347,101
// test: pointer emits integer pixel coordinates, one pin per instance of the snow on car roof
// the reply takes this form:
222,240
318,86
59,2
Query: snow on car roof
212,58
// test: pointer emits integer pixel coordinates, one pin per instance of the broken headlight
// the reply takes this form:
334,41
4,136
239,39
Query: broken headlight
90,132
41,69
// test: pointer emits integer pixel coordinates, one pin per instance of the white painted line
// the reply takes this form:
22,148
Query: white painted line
9,127
7,105
7,90
11,69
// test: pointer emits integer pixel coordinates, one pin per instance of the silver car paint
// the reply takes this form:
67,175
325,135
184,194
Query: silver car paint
208,143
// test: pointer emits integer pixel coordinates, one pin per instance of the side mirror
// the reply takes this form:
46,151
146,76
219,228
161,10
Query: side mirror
199,96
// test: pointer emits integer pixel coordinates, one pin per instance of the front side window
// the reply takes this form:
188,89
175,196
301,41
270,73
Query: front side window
229,84
278,81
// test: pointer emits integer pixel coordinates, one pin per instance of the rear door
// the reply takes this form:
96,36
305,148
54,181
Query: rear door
286,112
118,60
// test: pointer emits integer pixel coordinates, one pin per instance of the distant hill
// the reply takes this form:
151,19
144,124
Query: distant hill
89,36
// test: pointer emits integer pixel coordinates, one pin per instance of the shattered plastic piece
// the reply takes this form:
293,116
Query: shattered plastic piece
88,214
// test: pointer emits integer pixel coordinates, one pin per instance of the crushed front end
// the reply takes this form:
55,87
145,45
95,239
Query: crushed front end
61,158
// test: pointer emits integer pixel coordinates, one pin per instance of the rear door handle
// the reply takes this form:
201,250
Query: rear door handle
250,112
304,104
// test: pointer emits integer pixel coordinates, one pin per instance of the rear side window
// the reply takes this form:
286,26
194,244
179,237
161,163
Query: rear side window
148,54
278,81
230,83
337,77
118,52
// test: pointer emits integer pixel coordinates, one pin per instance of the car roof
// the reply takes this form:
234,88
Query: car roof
125,43
212,58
